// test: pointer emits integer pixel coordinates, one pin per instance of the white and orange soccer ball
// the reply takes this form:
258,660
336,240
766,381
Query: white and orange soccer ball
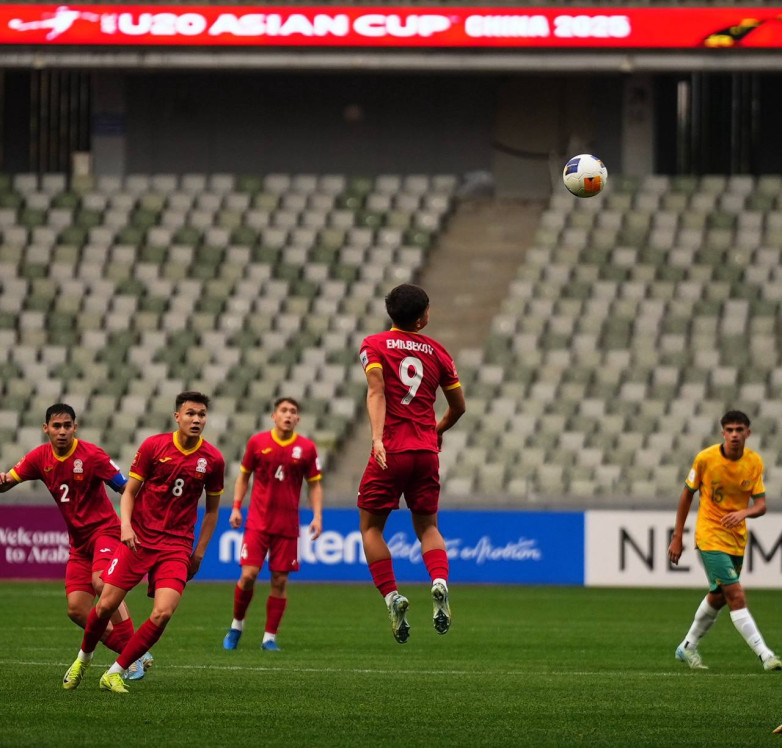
585,175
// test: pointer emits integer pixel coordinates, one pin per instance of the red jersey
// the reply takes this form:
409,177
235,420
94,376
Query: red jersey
76,485
414,367
166,507
278,468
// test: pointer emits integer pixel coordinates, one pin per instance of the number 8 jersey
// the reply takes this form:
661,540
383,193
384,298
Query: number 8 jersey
414,367
173,479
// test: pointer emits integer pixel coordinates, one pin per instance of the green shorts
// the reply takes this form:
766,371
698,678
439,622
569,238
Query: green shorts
722,569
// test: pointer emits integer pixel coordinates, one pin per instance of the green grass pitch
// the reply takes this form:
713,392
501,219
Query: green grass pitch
526,666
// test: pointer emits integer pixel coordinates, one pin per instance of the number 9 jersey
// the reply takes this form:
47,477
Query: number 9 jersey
414,367
173,479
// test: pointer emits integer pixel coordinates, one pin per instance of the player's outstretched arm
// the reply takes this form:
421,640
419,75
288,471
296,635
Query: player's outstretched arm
207,530
316,502
456,409
676,547
7,482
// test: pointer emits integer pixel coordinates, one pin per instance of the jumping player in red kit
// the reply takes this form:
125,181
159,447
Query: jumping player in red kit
404,371
279,461
75,473
158,513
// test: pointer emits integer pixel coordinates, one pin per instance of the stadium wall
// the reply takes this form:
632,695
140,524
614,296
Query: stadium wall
592,548
262,122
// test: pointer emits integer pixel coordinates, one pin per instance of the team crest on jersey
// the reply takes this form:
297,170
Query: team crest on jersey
78,466
201,465
746,484
296,453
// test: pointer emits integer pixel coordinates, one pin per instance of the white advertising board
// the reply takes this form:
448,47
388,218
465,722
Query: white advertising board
630,549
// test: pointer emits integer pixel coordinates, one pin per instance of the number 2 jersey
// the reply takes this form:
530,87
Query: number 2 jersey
414,368
166,506
725,486
76,483
279,467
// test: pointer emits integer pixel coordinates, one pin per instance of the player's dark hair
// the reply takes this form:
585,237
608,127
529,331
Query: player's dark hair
191,396
280,400
734,416
58,408
405,304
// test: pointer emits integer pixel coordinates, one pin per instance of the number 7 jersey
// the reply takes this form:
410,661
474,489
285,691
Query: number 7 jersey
173,479
414,367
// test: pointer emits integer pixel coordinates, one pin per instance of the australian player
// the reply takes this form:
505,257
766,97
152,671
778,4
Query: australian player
158,512
279,461
76,473
404,371
728,476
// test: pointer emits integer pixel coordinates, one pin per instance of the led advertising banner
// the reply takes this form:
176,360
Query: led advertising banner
33,543
389,26
492,547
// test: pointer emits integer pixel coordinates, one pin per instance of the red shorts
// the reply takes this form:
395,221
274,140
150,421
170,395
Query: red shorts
283,552
81,565
166,568
414,474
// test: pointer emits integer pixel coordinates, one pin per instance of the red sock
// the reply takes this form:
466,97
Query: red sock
142,641
120,635
275,607
93,631
242,600
383,575
437,564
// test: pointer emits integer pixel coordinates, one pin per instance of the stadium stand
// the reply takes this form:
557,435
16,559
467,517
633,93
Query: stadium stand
634,320
120,293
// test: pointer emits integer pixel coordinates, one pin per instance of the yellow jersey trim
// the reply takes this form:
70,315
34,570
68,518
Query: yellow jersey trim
215,493
453,386
15,475
136,476
243,469
70,451
182,449
374,365
315,479
409,332
283,442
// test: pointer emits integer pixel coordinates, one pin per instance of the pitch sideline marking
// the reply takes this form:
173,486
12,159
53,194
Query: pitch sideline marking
373,671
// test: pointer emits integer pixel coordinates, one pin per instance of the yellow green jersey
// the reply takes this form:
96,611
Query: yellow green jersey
725,486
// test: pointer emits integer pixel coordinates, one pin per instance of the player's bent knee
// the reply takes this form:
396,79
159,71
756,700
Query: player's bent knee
249,576
161,617
78,616
104,609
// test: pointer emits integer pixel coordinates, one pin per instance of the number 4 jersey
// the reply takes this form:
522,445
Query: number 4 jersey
414,367
279,467
166,506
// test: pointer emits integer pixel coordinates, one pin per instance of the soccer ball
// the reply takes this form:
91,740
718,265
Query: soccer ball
585,175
